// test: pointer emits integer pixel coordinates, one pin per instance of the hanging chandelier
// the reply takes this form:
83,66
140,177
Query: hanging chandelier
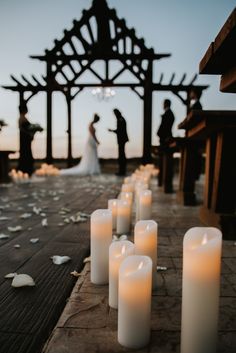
103,93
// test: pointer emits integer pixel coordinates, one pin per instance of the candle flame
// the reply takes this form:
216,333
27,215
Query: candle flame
205,239
140,265
123,250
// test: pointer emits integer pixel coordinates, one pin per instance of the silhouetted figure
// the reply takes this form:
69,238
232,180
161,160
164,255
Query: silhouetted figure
2,124
165,129
195,96
122,138
27,131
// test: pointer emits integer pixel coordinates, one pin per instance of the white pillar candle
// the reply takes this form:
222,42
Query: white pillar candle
138,188
100,239
128,196
146,241
127,187
134,303
201,284
118,251
145,204
123,217
112,206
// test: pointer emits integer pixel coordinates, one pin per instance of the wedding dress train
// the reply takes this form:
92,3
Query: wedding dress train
89,164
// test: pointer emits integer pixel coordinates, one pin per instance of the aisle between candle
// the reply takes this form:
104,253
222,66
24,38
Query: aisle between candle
134,301
200,292
112,206
118,251
123,217
145,205
146,241
100,240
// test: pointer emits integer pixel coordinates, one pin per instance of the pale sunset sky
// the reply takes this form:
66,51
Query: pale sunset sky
184,28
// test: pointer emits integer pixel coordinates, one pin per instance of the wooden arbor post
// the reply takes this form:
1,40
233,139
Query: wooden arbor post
69,129
147,114
49,157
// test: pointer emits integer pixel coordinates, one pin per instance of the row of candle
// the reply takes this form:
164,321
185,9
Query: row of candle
18,175
130,270
47,170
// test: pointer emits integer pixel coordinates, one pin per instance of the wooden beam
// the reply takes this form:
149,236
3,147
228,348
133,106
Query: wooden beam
147,115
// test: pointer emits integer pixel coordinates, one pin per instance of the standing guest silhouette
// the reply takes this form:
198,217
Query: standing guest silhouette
165,129
27,131
122,138
195,96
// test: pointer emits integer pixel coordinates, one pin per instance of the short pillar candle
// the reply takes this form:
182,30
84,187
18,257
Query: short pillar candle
118,251
123,217
146,241
100,240
134,303
200,289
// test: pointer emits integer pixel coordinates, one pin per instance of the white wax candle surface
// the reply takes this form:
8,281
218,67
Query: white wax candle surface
200,292
145,204
100,239
123,217
118,251
112,206
128,196
134,303
146,241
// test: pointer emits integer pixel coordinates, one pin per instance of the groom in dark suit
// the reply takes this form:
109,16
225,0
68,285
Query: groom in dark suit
167,120
122,138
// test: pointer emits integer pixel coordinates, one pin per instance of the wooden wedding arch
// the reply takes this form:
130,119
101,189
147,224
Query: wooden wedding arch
99,35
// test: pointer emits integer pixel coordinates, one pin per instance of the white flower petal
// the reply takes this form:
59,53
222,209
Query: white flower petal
14,229
10,275
59,260
34,240
4,236
44,222
22,280
26,215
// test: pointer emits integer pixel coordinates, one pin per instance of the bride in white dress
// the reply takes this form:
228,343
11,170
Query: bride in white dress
89,163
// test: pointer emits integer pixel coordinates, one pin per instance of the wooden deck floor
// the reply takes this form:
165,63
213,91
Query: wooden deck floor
28,315
88,325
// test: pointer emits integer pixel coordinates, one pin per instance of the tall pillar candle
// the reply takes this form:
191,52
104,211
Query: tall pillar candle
118,251
100,240
112,206
134,303
123,217
146,241
200,289
145,205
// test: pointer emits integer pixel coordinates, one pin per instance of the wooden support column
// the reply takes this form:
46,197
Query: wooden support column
147,115
69,148
49,157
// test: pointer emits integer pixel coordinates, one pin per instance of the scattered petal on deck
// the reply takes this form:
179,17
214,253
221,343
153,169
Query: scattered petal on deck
59,260
22,280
